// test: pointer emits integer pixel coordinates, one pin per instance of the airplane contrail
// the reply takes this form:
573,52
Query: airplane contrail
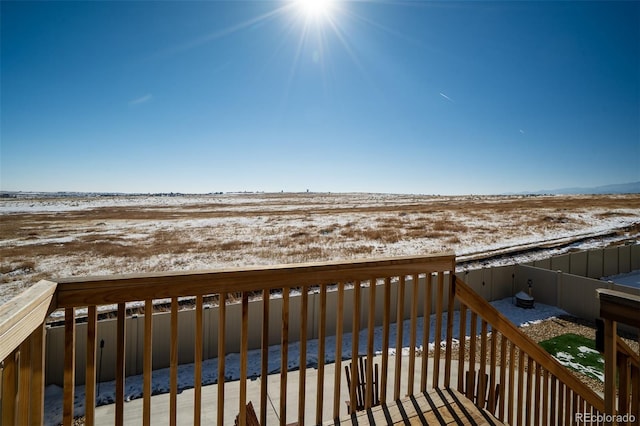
446,97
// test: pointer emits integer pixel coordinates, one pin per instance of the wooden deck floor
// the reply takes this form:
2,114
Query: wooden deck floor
439,406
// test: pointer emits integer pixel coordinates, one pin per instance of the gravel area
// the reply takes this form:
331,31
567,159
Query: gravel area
545,330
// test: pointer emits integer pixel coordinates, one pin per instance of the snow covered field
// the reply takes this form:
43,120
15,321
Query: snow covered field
46,237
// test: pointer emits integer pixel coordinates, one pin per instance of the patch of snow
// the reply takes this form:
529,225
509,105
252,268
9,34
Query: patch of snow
631,279
586,350
567,360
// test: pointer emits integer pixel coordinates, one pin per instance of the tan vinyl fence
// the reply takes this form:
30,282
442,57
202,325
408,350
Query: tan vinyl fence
566,281
186,328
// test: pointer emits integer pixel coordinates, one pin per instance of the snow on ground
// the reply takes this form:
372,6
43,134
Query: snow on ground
631,279
53,237
161,378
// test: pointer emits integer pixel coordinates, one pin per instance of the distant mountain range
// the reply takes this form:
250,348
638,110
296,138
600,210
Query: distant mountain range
620,188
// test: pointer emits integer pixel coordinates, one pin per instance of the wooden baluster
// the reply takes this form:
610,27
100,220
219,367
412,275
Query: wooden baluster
338,367
635,392
482,381
197,363
574,406
492,371
304,309
412,336
610,367
69,365
545,398
24,382
120,363
529,393
553,409
90,371
173,364
438,331
624,374
462,347
426,329
355,331
520,386
399,330
510,397
147,367
471,381
37,369
386,319
503,376
222,325
9,390
244,350
284,360
370,337
561,404
449,345
264,357
322,335
537,396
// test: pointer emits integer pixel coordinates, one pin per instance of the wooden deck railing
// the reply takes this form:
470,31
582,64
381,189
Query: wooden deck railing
22,353
530,387
620,361
376,275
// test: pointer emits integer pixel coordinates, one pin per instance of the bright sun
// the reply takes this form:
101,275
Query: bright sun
315,8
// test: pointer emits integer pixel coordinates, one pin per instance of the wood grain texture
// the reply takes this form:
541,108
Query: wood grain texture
222,326
116,289
90,371
264,355
9,388
197,363
69,366
37,371
442,407
147,368
20,316
338,367
24,383
120,363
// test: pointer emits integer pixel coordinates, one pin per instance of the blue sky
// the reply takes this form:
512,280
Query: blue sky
398,96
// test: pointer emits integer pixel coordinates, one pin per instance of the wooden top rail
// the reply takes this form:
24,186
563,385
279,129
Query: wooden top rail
20,316
501,323
619,306
625,349
88,291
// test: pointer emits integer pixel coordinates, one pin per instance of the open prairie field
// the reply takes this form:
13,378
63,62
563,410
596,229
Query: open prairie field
49,237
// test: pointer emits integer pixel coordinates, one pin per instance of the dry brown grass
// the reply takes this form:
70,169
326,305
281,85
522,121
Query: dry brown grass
279,229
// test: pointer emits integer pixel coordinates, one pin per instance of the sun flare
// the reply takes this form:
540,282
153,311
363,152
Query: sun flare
315,9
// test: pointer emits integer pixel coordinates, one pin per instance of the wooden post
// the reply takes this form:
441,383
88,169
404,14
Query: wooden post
610,367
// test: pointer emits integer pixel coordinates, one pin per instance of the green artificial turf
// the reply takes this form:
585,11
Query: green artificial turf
577,353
